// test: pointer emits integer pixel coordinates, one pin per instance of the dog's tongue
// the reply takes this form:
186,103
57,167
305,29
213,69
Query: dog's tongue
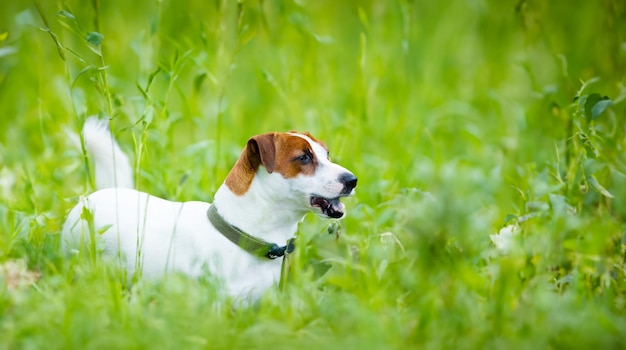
330,207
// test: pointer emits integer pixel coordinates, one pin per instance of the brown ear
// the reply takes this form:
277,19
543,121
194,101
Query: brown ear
261,149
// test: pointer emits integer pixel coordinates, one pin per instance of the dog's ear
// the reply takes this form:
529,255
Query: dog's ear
259,150
262,150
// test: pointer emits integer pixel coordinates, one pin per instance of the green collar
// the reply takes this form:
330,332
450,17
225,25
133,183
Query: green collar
247,242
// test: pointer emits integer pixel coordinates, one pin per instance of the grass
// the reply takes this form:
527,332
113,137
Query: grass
459,118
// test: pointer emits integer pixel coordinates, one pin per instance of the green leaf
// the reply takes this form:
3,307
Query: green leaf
151,78
94,38
104,229
66,14
600,107
86,215
510,219
198,80
246,36
593,105
590,101
596,185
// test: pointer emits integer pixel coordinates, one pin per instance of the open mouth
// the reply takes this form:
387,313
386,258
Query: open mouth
332,208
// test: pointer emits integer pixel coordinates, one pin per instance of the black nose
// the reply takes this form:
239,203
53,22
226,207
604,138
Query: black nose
349,182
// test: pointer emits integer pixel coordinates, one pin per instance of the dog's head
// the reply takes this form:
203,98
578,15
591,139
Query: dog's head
297,171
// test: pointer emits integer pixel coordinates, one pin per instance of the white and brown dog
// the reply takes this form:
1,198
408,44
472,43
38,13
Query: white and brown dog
278,179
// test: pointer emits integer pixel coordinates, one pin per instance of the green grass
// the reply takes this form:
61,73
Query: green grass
459,118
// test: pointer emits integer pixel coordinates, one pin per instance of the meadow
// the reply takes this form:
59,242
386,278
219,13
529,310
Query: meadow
487,136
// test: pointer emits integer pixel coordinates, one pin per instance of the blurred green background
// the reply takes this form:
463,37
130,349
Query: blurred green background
459,118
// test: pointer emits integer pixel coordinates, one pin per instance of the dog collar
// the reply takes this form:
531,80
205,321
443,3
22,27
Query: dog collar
248,242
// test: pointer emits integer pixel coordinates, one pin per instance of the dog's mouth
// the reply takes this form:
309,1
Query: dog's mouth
332,208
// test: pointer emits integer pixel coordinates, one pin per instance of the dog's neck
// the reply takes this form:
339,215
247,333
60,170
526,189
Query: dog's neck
257,213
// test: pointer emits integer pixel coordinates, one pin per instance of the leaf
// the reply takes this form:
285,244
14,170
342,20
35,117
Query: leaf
245,36
66,14
69,22
104,229
596,185
510,219
86,215
589,102
593,105
151,78
198,80
94,38
4,36
600,107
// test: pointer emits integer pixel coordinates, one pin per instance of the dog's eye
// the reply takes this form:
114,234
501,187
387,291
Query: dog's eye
305,158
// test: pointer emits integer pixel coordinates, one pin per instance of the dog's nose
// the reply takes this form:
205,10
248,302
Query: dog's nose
349,182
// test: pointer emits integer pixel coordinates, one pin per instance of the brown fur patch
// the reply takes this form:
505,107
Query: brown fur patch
277,152
259,150
288,149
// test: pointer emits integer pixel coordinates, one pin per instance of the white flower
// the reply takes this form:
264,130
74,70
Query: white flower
504,239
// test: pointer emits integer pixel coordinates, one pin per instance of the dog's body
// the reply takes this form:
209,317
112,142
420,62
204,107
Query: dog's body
278,178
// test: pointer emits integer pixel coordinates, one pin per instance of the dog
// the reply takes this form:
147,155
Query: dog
239,238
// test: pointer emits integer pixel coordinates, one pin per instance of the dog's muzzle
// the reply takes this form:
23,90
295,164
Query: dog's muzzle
332,207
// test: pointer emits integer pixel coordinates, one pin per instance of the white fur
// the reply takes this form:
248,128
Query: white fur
154,236
111,164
